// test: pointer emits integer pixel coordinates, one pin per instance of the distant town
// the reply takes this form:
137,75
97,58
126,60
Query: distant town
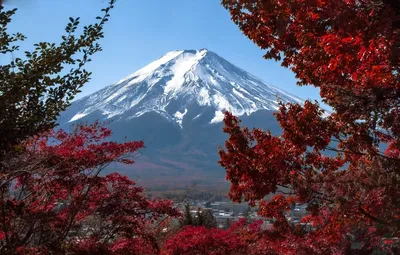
227,212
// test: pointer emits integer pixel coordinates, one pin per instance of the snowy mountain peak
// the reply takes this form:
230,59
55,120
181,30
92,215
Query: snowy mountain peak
144,72
179,82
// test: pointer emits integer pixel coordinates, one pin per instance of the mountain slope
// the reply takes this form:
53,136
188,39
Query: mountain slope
176,104
171,84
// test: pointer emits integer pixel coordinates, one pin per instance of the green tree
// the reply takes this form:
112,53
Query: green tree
228,223
187,216
36,88
208,219
199,217
247,213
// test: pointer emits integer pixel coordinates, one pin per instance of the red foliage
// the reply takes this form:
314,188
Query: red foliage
202,241
350,50
240,239
54,200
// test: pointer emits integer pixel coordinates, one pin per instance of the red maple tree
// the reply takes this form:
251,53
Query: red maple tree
54,200
241,238
192,240
350,50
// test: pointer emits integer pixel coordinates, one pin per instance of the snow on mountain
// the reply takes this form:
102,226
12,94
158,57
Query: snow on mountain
183,78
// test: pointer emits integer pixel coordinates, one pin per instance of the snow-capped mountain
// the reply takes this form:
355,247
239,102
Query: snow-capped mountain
182,78
176,104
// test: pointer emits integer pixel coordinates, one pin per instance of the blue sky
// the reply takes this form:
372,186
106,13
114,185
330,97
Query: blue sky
140,31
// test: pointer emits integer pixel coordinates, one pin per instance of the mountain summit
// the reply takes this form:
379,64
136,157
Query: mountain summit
175,105
179,81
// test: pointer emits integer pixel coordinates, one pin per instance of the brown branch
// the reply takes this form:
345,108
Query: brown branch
371,217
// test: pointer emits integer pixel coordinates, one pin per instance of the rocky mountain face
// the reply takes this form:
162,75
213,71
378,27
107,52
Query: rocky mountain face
176,104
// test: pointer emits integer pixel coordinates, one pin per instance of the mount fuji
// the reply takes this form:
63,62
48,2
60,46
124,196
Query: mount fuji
176,104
